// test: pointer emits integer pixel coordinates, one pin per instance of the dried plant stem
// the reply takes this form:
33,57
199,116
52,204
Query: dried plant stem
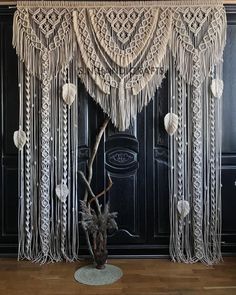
88,243
87,182
103,192
94,153
88,187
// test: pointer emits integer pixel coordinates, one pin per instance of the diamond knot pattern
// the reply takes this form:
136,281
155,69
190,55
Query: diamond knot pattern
47,20
124,21
195,18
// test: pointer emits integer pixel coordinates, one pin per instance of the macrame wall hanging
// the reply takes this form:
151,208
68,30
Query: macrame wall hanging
121,51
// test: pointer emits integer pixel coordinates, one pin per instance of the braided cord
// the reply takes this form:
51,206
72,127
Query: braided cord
45,158
197,170
27,163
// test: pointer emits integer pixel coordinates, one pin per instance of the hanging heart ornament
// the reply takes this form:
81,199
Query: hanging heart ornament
19,138
62,192
69,93
217,87
183,208
171,123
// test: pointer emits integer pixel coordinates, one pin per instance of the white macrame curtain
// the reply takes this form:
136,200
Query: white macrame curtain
121,51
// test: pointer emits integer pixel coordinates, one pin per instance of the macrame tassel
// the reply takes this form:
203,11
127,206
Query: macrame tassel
171,123
69,93
62,192
183,208
217,87
19,138
122,106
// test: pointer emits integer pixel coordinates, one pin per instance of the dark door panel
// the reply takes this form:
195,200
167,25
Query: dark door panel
229,138
9,123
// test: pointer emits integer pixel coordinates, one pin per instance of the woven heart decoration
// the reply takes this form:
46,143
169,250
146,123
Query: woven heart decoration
217,87
19,138
69,93
183,208
171,123
62,192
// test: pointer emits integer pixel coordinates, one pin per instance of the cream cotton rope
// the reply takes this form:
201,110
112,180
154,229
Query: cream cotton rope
121,51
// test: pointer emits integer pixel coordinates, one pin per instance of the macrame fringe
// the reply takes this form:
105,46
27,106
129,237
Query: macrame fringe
30,42
197,236
121,57
209,50
123,95
61,239
159,59
123,110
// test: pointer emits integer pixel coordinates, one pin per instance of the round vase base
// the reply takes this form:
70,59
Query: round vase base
90,275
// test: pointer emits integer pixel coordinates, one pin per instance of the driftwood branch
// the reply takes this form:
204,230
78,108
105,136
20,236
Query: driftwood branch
103,192
94,153
96,222
90,191
89,243
88,187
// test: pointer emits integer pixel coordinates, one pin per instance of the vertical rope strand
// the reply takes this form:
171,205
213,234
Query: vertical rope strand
64,173
180,175
45,160
74,141
197,171
21,213
28,174
219,71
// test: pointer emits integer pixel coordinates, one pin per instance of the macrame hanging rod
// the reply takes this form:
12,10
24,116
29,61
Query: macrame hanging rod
117,3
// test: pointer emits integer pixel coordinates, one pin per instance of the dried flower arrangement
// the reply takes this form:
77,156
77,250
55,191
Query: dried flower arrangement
96,219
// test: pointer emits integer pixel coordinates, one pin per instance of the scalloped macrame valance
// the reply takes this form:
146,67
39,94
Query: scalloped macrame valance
121,51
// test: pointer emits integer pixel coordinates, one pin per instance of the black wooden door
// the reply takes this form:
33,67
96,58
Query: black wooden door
8,124
229,138
136,159
137,163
